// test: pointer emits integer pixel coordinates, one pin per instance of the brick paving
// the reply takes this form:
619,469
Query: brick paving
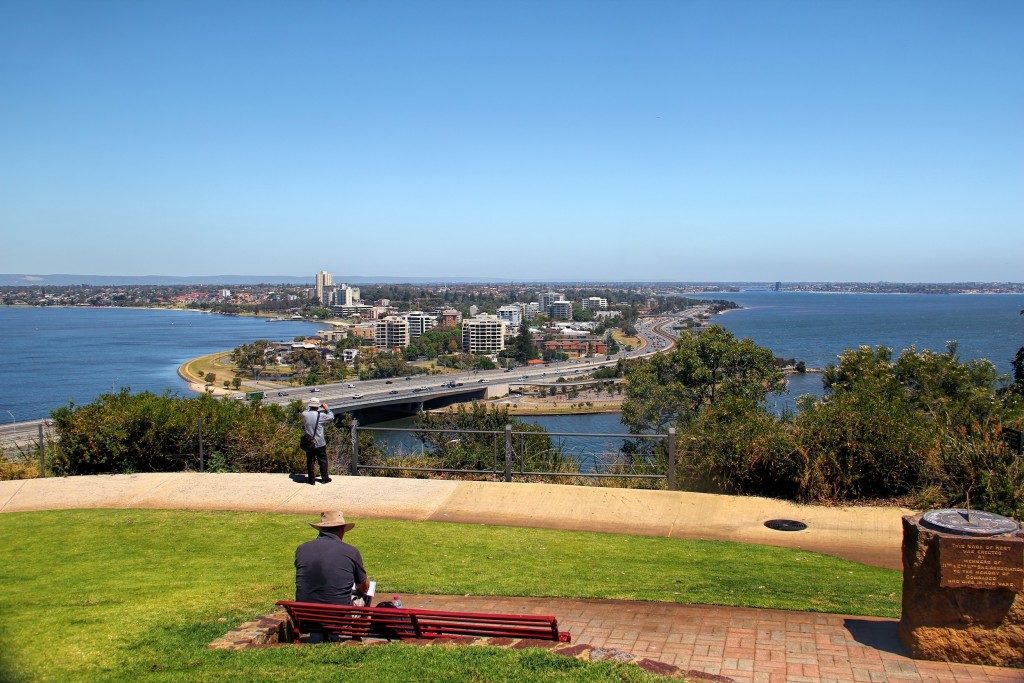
742,644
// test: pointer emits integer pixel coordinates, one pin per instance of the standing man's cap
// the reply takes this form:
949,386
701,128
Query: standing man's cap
332,520
313,403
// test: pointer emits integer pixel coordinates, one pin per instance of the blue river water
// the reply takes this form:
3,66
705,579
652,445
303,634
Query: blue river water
817,327
49,356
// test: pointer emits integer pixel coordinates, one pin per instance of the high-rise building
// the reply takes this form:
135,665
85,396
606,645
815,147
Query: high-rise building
560,310
512,314
323,280
483,334
548,298
473,310
531,310
450,317
391,332
595,303
419,322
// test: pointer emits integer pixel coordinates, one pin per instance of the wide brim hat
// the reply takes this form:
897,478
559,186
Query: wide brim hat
313,403
332,520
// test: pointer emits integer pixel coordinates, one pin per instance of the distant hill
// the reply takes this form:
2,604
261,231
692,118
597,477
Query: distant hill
22,280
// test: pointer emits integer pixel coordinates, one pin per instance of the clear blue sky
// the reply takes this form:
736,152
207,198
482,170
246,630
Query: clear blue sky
758,140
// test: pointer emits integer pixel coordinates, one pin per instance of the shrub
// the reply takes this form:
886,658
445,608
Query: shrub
144,432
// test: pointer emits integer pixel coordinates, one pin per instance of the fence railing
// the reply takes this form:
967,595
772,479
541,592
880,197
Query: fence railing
509,454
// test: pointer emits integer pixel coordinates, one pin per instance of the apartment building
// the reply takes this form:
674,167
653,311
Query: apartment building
323,280
548,298
560,310
450,317
419,322
391,332
512,314
483,334
595,303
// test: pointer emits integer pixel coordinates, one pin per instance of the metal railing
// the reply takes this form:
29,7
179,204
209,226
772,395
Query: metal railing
510,454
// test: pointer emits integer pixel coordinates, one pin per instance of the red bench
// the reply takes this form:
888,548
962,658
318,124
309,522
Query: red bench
395,624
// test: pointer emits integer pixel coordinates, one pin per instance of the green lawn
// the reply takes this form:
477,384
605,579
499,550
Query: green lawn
118,594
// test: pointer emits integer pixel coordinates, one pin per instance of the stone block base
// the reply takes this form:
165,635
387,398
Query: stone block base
967,625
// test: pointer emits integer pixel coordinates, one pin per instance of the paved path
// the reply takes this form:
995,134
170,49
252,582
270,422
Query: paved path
741,644
871,535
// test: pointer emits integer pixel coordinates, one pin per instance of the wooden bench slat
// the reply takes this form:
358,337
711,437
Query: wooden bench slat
351,621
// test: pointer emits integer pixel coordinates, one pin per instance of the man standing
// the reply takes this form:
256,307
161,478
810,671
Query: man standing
326,568
314,442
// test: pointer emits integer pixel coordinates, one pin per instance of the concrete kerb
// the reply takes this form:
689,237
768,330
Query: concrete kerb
865,534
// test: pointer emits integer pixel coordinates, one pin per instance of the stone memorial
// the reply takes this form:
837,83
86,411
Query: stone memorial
963,588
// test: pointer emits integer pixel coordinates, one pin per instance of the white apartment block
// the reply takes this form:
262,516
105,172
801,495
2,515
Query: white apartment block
548,298
595,303
419,322
512,314
483,334
531,310
473,310
323,280
391,332
560,310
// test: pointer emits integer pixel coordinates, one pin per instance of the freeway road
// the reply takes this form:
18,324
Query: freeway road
656,332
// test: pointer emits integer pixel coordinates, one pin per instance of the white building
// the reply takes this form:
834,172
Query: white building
560,310
473,310
483,334
391,332
420,322
595,303
349,355
225,294
512,314
323,280
531,310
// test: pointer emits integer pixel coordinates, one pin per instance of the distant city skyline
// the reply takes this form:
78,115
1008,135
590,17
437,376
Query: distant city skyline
564,141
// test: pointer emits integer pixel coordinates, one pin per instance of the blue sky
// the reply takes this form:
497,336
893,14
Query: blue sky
530,140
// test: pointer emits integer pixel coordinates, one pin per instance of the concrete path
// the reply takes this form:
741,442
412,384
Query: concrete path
734,643
871,535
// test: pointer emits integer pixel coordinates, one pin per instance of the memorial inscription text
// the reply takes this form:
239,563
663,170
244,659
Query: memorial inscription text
981,563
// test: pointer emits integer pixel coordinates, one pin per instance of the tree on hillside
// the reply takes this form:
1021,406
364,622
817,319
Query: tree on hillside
671,388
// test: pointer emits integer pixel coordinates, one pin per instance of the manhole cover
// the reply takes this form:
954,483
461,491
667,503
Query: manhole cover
785,525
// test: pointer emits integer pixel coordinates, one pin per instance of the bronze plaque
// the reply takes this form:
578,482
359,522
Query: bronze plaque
981,563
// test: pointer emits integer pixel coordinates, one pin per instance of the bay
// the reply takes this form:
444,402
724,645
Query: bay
50,355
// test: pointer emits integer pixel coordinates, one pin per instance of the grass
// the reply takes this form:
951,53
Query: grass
121,594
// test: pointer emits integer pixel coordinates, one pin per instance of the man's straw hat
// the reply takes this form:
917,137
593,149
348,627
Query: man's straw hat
332,520
313,403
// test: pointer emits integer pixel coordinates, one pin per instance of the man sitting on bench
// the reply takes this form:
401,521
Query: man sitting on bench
327,569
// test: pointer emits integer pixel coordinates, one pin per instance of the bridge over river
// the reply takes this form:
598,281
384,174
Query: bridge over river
415,393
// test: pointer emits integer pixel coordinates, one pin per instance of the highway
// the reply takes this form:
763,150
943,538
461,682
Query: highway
346,396
356,394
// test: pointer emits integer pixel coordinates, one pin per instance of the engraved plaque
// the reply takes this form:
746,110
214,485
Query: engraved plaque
981,563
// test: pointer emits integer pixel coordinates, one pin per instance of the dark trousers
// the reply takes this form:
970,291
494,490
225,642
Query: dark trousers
317,455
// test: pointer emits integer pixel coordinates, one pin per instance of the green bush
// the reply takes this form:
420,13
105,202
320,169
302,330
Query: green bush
143,432
925,429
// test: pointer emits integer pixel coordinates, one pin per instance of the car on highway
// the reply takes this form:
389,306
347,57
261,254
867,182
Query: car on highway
418,389
393,391
408,379
313,390
351,386
481,381
282,393
388,382
357,395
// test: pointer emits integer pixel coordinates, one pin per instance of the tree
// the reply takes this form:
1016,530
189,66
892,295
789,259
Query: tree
210,378
247,356
671,388
522,343
236,382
